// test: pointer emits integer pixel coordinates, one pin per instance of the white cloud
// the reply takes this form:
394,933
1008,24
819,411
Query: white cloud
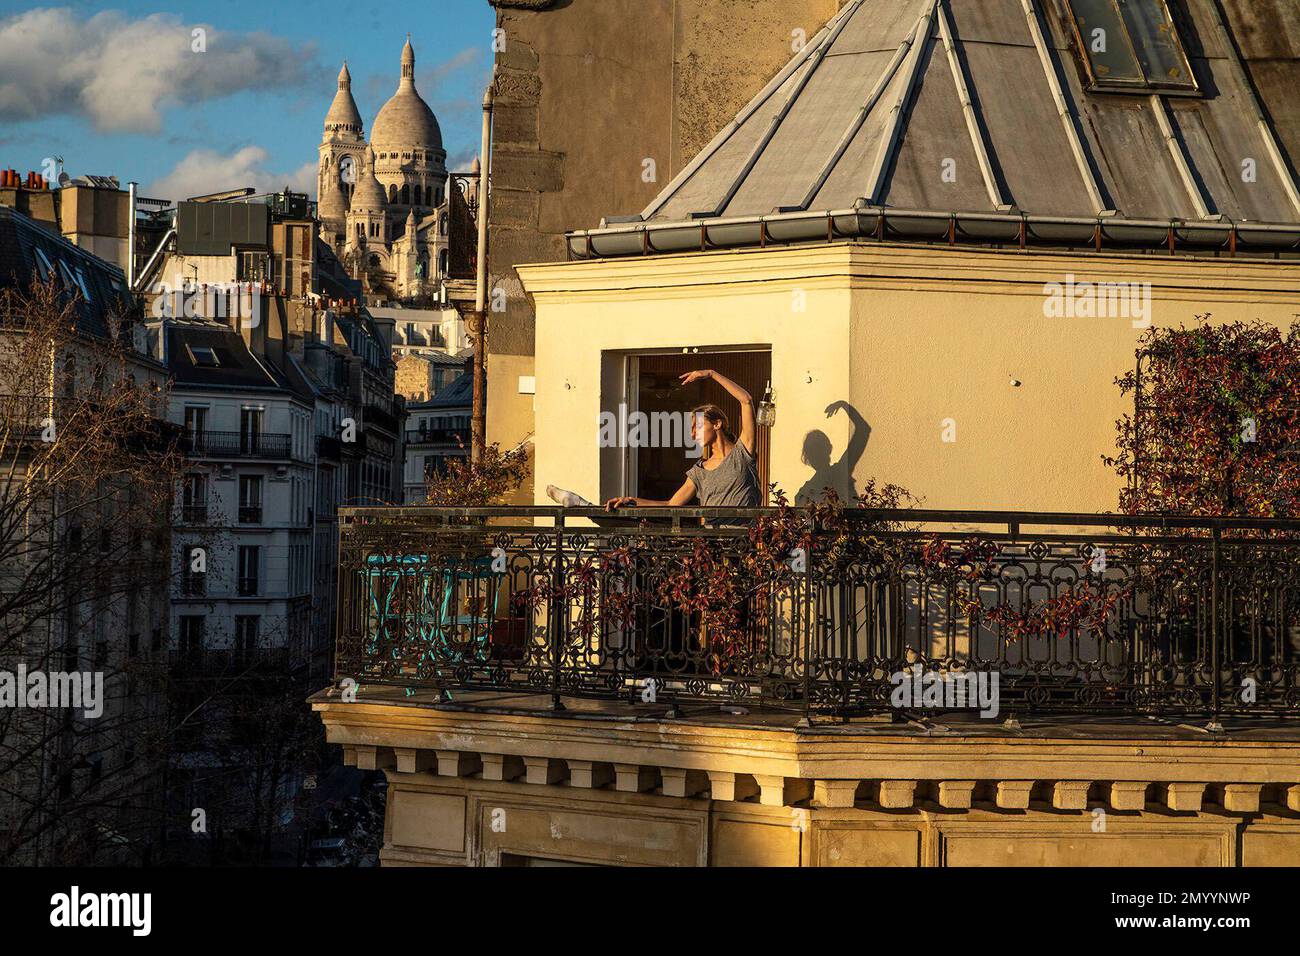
205,171
121,74
460,161
449,66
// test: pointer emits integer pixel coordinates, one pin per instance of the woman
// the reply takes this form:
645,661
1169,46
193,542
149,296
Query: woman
726,475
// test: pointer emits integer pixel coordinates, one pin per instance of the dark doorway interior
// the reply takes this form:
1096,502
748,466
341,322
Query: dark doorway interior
661,471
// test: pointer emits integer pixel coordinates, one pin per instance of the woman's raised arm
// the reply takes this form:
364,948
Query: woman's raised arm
747,426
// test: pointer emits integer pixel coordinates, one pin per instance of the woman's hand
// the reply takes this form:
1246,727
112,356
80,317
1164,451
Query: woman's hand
695,376
615,503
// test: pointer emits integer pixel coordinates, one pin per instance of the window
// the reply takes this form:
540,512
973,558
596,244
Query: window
203,356
1131,45
43,264
254,267
192,634
194,583
196,419
250,430
250,499
81,284
246,627
250,559
194,498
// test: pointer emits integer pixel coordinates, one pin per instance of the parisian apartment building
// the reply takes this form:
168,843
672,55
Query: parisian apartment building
87,586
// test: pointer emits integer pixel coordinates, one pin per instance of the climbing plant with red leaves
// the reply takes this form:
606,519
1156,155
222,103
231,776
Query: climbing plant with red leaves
1216,426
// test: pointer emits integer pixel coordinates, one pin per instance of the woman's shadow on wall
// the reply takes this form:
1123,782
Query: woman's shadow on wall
817,453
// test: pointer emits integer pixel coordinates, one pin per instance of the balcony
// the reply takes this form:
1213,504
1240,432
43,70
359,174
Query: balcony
227,662
247,587
194,514
250,514
381,417
437,436
1075,615
329,447
264,445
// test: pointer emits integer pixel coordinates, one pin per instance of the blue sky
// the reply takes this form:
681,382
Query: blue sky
120,90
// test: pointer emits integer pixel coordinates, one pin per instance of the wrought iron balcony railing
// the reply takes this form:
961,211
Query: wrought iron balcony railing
250,514
382,417
216,662
437,436
1085,614
194,514
329,447
239,444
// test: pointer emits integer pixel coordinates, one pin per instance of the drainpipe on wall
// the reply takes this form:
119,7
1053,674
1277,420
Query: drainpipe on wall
130,235
479,319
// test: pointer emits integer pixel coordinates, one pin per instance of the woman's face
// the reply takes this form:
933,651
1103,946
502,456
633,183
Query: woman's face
703,431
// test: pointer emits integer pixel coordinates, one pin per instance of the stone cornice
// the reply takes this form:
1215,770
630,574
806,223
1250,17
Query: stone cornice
812,756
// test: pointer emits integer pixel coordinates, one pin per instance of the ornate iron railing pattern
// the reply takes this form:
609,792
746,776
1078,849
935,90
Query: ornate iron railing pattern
1091,614
239,444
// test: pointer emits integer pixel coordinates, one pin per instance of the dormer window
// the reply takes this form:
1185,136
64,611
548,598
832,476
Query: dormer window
1131,46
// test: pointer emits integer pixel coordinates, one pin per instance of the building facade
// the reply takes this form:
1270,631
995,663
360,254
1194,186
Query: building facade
84,560
888,232
438,431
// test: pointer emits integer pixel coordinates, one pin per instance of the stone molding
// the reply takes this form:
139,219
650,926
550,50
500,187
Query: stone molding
786,768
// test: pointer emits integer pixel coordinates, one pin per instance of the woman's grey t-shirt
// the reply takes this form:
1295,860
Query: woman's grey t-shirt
733,484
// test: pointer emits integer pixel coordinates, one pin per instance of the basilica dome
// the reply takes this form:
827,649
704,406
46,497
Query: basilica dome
405,122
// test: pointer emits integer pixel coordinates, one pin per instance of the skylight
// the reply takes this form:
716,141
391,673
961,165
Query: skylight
43,263
203,356
1131,46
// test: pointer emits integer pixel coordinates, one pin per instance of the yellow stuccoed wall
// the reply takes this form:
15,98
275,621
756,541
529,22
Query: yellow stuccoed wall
911,336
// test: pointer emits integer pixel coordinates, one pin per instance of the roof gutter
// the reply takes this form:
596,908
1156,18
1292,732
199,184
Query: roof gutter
965,228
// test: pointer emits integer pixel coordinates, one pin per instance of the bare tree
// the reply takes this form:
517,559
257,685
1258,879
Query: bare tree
88,471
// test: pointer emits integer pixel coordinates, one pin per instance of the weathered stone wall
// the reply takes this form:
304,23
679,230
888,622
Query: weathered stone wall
414,378
589,90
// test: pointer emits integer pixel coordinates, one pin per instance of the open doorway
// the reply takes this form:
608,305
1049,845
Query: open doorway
653,387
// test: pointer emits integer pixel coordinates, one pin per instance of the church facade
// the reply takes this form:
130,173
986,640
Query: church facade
383,201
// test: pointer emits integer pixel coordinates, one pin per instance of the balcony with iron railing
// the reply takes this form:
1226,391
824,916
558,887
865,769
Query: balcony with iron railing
329,447
250,514
194,514
382,417
437,436
206,662
1073,614
263,445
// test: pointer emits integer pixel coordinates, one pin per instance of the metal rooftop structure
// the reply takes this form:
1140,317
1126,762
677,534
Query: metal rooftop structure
1141,124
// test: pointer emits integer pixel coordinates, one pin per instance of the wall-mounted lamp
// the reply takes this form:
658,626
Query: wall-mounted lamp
767,408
